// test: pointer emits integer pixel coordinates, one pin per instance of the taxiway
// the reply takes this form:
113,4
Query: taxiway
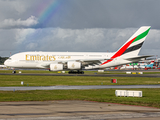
77,87
95,75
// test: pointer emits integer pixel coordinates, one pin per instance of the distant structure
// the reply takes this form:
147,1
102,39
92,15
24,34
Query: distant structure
2,66
151,63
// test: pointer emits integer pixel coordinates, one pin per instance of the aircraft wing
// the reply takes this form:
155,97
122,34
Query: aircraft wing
85,62
92,60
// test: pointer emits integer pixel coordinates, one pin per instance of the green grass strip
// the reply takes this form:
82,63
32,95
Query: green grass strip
151,97
13,80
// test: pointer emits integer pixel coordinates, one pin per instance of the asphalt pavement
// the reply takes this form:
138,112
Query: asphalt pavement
77,87
94,75
74,110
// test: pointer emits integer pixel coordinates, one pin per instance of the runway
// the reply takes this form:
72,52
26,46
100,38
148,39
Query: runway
94,75
78,87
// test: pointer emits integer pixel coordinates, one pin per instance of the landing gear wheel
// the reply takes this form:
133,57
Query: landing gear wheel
76,72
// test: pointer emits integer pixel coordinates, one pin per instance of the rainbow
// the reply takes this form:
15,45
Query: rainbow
47,10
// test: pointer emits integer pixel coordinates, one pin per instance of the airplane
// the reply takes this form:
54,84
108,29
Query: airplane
148,66
75,62
2,66
139,65
129,67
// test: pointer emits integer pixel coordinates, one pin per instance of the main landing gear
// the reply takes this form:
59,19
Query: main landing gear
76,72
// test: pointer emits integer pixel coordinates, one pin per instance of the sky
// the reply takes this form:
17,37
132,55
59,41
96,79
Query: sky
76,25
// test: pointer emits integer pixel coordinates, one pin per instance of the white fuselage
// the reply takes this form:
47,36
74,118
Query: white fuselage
44,59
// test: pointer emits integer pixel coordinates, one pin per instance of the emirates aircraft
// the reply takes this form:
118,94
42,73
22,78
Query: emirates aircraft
77,61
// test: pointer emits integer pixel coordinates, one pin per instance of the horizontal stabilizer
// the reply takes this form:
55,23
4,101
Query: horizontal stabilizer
92,60
138,57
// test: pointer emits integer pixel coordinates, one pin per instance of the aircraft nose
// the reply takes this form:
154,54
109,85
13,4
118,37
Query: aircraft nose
6,62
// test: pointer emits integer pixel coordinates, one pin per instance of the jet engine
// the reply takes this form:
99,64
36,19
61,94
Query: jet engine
74,65
56,67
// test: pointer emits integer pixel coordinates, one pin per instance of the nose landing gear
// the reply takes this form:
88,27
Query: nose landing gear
13,71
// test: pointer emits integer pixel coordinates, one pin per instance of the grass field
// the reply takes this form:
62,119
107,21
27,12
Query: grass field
151,97
13,80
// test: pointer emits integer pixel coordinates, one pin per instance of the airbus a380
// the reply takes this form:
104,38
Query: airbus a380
58,61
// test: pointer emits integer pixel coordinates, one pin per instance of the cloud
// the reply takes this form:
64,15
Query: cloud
73,40
31,46
21,34
11,23
81,14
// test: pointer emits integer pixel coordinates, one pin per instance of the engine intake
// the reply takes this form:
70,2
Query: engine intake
74,65
56,67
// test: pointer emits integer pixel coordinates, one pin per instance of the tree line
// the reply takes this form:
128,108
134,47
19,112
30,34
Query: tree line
2,59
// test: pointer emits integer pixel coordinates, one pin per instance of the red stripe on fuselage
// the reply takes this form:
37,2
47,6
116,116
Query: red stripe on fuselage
120,52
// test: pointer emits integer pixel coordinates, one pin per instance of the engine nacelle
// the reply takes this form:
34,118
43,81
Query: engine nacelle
74,65
56,67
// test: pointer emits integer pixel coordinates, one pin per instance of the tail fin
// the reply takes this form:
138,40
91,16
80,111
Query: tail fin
151,64
133,45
